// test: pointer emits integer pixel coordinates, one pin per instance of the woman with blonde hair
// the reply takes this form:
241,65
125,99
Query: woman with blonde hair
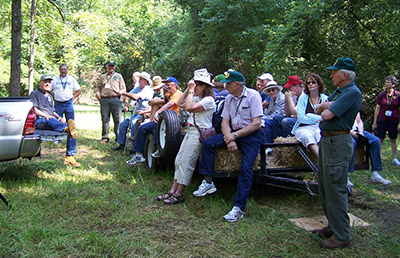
198,99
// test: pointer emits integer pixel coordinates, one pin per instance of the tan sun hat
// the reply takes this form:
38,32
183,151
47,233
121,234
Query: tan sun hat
273,84
146,76
157,82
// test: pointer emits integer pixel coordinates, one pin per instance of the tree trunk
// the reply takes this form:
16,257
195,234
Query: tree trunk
32,46
16,33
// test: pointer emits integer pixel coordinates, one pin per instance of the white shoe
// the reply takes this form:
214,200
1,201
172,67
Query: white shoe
204,189
396,162
268,151
156,154
349,183
378,179
234,215
138,158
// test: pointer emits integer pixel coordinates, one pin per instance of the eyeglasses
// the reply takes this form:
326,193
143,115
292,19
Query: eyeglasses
271,90
311,83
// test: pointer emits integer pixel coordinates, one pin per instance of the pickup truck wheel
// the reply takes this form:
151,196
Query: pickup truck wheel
149,148
169,134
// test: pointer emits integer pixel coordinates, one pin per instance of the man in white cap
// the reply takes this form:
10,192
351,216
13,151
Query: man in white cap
262,82
109,87
141,94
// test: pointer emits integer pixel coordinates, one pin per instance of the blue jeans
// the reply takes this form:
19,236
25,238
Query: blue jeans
67,108
282,126
374,151
249,146
144,130
268,131
123,128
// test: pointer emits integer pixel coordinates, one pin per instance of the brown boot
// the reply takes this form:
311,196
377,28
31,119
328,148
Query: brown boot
71,129
70,160
323,232
332,243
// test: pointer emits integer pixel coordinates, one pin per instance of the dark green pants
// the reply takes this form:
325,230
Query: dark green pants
110,106
335,153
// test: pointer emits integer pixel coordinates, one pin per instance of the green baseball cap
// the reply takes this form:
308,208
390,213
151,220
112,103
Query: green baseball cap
345,63
231,76
219,78
110,62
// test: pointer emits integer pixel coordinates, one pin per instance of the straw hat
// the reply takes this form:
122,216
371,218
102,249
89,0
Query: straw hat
146,76
272,84
157,82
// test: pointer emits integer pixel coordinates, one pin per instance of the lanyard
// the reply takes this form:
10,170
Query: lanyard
108,78
312,103
241,98
389,102
64,84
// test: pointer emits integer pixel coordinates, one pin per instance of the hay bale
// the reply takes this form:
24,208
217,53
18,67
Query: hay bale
229,161
288,156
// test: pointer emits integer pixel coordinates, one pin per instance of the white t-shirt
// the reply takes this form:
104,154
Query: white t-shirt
64,87
204,118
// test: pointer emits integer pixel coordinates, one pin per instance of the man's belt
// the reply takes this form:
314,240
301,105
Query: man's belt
109,97
333,133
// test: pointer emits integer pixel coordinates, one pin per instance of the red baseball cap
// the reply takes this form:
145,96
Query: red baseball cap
292,81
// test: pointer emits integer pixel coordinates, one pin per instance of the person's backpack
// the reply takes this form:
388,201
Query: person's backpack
219,102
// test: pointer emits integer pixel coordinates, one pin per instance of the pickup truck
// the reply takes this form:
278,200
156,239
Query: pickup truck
17,129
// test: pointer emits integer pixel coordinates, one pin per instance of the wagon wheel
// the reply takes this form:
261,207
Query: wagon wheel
168,134
149,148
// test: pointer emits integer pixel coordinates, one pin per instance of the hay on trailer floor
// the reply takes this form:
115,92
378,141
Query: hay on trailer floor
229,161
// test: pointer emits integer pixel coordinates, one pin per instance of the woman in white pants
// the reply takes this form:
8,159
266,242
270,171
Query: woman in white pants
198,99
306,129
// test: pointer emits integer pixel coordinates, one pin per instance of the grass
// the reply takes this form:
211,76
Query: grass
107,209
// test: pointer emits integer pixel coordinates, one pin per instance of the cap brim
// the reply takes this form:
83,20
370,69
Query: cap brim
332,68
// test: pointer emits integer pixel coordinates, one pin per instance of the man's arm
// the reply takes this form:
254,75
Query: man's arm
290,108
230,136
76,94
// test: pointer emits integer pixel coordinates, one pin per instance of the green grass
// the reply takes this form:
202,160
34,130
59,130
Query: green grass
107,209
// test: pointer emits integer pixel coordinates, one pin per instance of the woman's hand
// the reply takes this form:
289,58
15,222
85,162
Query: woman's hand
374,126
191,85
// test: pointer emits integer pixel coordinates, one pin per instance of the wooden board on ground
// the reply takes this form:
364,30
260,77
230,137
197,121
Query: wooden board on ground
310,224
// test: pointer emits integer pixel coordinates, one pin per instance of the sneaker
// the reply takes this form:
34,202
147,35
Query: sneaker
234,215
268,151
156,154
119,147
138,158
70,160
204,189
104,140
396,162
349,183
378,179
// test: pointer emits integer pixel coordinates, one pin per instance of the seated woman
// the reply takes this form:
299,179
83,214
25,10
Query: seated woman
306,129
199,100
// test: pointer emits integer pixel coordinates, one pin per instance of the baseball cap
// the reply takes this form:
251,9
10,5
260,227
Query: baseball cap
345,63
46,77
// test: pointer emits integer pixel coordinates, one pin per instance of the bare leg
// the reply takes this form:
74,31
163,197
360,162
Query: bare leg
314,149
393,145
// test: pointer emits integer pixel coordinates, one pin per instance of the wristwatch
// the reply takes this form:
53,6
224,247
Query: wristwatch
235,135
191,92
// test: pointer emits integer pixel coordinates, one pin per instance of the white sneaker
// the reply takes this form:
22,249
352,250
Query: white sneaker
204,189
138,158
156,154
396,162
268,151
378,179
349,183
234,215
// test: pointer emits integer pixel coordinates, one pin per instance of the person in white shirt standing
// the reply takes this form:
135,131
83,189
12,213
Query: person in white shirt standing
66,89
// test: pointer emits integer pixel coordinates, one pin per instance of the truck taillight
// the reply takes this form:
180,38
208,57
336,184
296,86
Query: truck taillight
29,127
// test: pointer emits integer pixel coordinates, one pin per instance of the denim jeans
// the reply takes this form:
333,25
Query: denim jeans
67,108
374,151
282,126
123,128
249,146
144,130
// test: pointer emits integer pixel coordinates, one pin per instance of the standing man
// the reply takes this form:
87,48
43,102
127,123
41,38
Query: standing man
241,129
335,152
108,88
66,89
47,117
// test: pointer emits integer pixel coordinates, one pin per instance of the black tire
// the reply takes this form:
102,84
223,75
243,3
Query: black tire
168,134
149,148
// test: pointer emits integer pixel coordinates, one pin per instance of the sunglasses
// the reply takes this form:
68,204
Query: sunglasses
308,83
271,90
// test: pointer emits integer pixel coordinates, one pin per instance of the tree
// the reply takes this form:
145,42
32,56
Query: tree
15,78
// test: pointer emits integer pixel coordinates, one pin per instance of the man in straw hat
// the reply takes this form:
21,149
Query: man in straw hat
47,117
241,129
109,87
141,94
335,152
275,108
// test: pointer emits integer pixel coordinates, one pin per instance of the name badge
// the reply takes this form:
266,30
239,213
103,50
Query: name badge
388,113
107,86
235,121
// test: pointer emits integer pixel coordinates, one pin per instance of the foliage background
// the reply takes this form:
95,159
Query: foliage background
172,38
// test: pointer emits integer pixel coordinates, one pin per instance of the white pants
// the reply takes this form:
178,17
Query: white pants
308,134
186,159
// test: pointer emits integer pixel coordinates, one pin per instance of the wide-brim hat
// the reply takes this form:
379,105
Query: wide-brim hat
157,82
202,75
272,84
345,63
293,80
146,76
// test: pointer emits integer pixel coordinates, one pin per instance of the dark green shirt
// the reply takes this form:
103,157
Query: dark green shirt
347,103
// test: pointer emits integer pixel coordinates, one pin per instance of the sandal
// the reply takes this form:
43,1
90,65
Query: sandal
174,199
165,196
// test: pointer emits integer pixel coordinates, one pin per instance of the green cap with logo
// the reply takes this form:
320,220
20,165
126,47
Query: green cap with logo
110,62
345,63
233,76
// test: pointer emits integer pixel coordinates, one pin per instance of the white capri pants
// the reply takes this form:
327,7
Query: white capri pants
308,134
186,159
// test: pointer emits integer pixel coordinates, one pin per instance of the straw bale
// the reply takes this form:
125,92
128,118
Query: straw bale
289,156
229,161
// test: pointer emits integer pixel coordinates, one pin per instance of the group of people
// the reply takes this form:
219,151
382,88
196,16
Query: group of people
329,127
